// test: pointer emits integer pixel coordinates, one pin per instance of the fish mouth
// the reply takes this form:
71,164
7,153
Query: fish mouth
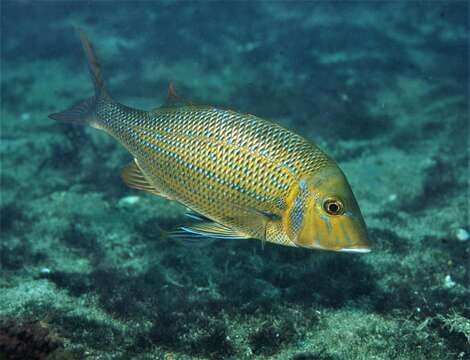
363,250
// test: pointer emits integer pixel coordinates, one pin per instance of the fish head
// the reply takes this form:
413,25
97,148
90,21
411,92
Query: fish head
332,219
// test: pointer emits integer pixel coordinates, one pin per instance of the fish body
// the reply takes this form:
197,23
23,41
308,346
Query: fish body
247,177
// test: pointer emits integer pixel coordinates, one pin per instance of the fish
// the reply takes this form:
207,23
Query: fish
241,176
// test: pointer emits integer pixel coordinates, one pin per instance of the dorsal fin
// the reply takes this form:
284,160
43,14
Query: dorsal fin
173,100
172,95
133,177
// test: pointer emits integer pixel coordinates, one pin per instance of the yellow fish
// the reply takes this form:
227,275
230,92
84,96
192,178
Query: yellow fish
247,177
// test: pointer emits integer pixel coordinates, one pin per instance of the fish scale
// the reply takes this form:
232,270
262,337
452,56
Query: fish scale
246,177
245,160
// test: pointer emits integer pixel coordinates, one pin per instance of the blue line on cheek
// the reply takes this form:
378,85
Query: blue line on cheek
326,219
350,215
346,235
317,243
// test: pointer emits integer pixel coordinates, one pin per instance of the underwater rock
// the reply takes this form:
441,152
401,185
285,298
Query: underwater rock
462,234
448,282
128,201
28,340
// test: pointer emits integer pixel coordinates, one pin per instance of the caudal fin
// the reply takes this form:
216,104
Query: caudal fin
93,66
84,112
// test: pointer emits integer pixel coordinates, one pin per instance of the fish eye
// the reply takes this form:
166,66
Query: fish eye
333,206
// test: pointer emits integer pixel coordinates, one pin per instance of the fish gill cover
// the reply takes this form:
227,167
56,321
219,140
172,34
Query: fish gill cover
381,87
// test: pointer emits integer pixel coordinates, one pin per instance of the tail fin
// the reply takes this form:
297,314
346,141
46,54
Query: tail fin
94,66
84,112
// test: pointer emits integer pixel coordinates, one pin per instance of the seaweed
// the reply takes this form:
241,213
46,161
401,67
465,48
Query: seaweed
191,332
272,336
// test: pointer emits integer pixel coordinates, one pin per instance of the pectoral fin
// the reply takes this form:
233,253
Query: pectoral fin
252,220
203,227
134,177
212,230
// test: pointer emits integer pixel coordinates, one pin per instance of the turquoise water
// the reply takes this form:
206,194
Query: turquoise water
85,269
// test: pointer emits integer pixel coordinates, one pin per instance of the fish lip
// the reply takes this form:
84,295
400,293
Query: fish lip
364,250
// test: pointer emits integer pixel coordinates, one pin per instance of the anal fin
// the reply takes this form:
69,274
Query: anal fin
134,177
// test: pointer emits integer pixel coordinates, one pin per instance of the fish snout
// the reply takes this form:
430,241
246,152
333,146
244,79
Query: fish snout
352,235
334,220
344,233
